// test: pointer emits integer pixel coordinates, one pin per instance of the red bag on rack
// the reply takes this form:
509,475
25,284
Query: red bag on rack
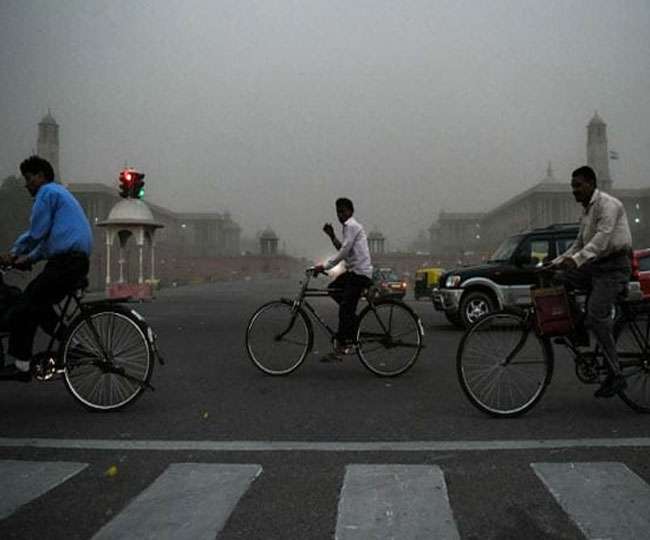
552,311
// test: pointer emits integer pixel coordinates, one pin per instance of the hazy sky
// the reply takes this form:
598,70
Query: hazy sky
272,109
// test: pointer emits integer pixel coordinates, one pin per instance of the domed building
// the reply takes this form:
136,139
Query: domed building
130,218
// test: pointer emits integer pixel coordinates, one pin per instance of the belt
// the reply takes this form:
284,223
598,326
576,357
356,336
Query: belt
70,255
625,252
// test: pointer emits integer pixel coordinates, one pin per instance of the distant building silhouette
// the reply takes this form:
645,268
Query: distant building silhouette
47,145
548,201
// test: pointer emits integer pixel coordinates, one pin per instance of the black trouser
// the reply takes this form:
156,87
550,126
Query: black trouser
34,306
605,281
349,287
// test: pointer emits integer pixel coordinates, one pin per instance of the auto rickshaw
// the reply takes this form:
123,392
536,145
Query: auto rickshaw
426,279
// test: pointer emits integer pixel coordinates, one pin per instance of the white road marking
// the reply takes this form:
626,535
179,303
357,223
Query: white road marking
23,481
394,501
605,500
188,501
321,446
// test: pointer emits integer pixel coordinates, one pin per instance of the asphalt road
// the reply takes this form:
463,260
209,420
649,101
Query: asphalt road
209,395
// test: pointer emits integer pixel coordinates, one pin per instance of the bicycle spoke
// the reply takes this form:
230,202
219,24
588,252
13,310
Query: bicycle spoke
277,338
381,333
107,383
502,368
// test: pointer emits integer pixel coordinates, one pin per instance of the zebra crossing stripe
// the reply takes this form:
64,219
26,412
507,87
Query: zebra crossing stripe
188,501
23,481
394,501
605,500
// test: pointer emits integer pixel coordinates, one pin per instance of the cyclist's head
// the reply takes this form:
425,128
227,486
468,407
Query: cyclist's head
344,209
36,171
583,184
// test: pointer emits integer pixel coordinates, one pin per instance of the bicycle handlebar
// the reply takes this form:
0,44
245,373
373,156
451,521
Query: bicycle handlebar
312,270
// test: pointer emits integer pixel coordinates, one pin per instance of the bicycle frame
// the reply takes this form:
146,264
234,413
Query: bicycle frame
299,302
310,292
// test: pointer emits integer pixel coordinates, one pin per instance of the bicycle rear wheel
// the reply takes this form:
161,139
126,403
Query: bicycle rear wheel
278,338
107,359
503,366
633,348
389,338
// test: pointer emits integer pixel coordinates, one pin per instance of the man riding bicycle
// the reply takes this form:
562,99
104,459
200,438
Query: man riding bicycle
599,262
347,288
59,233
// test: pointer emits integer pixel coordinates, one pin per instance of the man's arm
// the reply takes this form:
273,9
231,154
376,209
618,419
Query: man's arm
349,238
30,242
329,231
605,226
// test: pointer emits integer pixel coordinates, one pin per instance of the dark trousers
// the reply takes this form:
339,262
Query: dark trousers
34,306
346,290
606,282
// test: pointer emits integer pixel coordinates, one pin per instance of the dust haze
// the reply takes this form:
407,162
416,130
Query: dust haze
272,109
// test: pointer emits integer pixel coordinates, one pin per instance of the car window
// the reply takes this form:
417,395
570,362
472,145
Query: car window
563,244
644,264
506,249
535,251
388,276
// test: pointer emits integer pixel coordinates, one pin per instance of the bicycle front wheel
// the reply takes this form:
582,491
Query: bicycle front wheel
278,338
389,338
503,366
633,348
107,359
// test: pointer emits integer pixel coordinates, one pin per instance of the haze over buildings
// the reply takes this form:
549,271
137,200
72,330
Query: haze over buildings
271,110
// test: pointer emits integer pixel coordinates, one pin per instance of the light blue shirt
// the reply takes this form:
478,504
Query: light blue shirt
58,225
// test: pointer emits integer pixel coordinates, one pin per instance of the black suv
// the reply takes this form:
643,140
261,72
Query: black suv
466,294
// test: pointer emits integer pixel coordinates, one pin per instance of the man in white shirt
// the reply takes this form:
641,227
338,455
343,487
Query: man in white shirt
346,289
599,262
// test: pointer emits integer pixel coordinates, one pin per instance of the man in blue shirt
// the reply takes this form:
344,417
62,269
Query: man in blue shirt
59,233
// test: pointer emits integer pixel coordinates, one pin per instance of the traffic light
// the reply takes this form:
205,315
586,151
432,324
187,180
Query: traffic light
131,184
126,183
138,186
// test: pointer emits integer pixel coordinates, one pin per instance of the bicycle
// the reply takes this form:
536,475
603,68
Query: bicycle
105,354
504,362
280,335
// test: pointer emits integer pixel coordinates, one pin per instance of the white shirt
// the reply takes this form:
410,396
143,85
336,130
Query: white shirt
354,250
603,230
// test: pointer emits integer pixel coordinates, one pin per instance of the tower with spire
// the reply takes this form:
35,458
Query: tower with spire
597,152
47,145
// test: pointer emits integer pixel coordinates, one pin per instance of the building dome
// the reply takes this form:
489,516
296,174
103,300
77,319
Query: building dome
48,119
596,120
268,234
130,212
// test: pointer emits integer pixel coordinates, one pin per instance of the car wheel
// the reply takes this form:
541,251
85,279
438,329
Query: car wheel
474,306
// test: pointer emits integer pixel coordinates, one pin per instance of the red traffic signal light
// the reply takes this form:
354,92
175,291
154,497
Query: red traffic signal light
131,184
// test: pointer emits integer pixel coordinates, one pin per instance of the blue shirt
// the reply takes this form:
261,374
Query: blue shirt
58,225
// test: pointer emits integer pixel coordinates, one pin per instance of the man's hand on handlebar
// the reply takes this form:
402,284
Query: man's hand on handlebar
319,269
23,263
565,263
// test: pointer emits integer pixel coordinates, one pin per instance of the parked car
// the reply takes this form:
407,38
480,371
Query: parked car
466,294
641,270
426,280
388,283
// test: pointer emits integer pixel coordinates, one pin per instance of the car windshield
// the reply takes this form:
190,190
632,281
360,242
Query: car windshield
506,249
387,275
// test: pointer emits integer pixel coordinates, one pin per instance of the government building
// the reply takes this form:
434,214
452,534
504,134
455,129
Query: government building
469,237
185,243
